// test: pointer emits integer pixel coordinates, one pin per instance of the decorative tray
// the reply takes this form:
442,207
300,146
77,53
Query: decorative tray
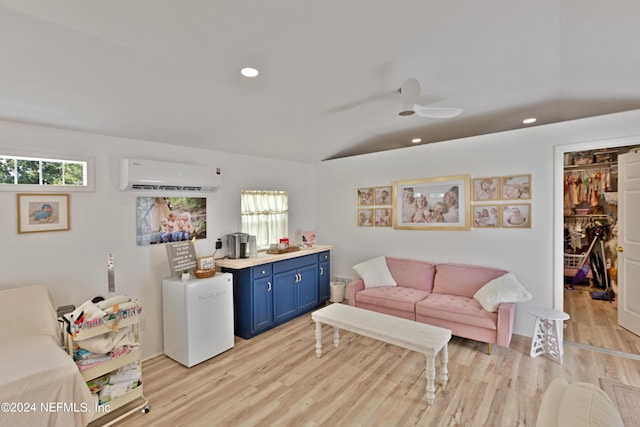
283,251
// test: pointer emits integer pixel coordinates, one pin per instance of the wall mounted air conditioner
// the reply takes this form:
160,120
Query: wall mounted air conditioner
136,174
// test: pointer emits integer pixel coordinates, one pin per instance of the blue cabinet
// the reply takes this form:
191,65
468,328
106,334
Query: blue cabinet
268,295
262,304
324,277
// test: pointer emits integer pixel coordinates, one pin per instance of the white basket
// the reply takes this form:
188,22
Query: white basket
574,261
337,292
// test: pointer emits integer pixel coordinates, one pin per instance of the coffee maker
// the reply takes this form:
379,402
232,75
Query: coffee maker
238,245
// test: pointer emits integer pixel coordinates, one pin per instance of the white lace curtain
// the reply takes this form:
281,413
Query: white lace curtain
265,214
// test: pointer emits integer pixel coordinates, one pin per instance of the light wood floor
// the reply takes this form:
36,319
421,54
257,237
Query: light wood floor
595,322
276,379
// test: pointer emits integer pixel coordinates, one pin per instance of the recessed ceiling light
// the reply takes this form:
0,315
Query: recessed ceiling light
249,72
529,120
416,140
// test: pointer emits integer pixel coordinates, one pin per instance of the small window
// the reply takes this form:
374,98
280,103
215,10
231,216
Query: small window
265,214
18,172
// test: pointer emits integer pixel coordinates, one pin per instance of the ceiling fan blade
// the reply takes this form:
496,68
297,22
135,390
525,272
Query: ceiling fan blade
436,112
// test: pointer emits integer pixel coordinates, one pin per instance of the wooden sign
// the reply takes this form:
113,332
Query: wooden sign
182,256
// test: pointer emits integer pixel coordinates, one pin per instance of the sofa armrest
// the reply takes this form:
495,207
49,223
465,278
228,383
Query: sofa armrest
506,320
352,288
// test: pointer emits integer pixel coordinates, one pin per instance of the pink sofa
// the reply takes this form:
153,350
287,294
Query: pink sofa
439,295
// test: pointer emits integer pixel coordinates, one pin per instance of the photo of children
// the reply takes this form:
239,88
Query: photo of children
432,204
516,215
170,219
516,187
365,196
383,195
383,217
365,217
486,216
485,189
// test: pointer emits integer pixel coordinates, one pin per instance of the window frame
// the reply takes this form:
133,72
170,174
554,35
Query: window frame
53,157
264,247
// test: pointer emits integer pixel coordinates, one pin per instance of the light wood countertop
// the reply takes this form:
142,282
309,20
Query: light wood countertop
264,258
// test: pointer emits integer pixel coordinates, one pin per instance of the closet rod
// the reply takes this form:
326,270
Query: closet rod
609,165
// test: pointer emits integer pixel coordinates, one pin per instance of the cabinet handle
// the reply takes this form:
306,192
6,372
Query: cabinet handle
264,272
321,271
269,286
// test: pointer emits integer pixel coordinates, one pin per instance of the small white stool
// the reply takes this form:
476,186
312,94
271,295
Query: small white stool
546,334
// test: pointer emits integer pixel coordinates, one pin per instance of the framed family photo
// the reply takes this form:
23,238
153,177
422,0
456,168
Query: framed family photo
515,187
365,196
430,204
43,212
383,217
486,189
365,217
486,216
516,215
383,196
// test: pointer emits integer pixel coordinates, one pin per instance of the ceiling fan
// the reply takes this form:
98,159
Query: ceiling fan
410,91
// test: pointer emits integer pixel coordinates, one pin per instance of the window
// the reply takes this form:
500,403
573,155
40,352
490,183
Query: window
265,214
27,172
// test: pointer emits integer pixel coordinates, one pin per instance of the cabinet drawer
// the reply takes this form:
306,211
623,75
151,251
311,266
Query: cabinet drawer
294,263
261,271
324,256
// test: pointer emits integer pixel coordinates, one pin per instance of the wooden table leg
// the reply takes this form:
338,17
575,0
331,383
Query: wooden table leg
444,360
318,339
431,376
336,336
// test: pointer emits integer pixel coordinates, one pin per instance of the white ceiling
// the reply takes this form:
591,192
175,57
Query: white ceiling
167,71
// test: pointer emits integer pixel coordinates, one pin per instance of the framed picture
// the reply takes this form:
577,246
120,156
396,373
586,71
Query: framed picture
365,196
206,263
436,203
383,196
43,212
365,217
486,216
516,215
161,220
515,187
383,217
485,189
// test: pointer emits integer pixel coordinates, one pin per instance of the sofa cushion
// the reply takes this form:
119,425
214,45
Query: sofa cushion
464,280
458,309
375,272
505,288
396,297
412,273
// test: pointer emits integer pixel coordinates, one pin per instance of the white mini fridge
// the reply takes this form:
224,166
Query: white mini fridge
197,318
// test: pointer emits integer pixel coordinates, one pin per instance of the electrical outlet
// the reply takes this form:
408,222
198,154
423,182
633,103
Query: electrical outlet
218,244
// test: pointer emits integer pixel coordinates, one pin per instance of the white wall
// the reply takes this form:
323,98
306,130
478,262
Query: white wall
72,264
528,253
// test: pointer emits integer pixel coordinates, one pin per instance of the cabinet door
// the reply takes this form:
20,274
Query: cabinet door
324,276
285,295
307,288
262,303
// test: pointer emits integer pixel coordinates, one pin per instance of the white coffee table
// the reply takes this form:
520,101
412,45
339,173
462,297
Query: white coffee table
426,339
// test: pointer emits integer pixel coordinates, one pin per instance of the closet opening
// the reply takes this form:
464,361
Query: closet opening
590,213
